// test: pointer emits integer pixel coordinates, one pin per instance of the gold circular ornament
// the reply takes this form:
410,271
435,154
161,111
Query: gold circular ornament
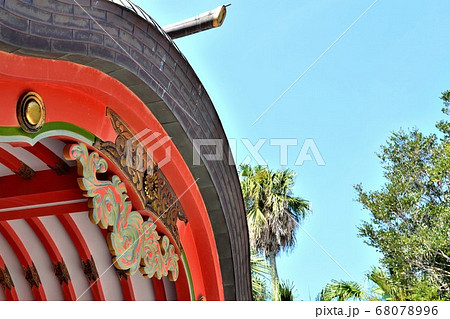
31,112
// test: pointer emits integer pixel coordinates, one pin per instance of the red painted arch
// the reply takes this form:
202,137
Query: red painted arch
79,95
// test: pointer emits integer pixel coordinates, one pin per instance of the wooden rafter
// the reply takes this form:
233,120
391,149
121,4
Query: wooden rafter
48,157
55,256
158,289
124,278
126,284
7,282
16,165
31,274
87,260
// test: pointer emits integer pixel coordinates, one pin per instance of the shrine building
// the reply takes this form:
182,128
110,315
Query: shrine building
103,195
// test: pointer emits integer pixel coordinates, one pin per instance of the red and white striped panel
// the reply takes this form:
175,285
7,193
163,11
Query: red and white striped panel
44,222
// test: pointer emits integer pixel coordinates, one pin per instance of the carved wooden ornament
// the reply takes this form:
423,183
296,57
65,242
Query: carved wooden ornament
153,189
134,244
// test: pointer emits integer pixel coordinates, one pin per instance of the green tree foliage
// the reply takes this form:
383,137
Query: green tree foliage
286,291
273,213
410,215
381,288
340,290
384,287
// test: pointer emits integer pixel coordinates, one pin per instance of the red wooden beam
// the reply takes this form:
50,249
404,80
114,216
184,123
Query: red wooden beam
127,287
7,283
47,192
182,285
60,267
15,165
48,157
24,257
158,289
58,196
124,278
10,160
44,183
80,205
86,257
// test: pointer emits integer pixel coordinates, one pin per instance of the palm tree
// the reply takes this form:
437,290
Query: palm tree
383,288
342,290
286,291
273,213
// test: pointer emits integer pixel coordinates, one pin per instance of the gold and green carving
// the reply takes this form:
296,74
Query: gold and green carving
133,242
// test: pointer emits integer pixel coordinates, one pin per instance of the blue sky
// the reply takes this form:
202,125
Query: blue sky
384,74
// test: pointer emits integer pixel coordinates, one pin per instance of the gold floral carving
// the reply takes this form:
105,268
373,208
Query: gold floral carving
89,269
133,242
32,276
5,279
25,171
163,202
61,272
144,175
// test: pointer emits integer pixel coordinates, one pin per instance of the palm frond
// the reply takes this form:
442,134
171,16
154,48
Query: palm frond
341,291
258,265
260,272
385,287
286,291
